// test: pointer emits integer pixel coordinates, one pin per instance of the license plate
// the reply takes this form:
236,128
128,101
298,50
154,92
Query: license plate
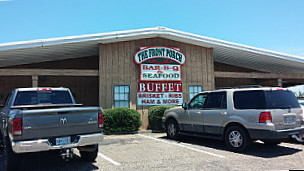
288,120
63,140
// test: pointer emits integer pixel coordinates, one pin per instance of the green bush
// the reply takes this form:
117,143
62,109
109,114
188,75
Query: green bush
121,120
155,115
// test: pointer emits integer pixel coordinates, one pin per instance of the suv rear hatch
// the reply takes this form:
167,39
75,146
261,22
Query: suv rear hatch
276,105
285,109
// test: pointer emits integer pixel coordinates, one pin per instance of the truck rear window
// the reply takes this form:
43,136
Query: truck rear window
42,97
259,99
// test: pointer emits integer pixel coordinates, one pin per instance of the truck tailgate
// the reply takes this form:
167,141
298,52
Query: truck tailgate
59,122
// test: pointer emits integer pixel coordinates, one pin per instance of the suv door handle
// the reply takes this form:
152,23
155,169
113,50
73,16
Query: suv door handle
198,113
224,113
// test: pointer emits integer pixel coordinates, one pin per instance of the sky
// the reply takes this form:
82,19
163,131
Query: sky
269,24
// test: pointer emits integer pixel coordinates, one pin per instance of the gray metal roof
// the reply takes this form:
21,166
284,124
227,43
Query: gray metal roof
25,52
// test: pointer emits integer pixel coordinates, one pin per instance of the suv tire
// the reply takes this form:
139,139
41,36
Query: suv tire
172,129
237,139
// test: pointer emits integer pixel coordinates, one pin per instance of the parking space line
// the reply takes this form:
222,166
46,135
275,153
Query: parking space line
108,159
183,146
297,148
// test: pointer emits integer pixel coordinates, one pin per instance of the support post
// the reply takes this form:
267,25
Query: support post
34,80
280,84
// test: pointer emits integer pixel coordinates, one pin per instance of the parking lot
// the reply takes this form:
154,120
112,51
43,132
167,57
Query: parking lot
153,151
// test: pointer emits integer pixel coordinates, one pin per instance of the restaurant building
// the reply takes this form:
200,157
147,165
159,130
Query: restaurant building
142,68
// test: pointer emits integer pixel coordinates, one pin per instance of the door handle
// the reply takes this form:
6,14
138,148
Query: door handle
224,113
198,113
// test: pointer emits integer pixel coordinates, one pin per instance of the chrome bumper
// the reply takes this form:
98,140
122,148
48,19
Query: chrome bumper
45,145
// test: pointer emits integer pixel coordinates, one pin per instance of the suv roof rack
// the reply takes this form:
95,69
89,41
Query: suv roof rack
241,86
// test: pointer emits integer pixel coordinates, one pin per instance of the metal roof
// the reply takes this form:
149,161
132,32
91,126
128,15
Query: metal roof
25,52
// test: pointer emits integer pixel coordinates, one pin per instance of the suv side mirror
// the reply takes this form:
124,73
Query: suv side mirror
184,106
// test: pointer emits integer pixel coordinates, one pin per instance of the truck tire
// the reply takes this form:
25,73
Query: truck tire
172,129
10,158
237,139
89,155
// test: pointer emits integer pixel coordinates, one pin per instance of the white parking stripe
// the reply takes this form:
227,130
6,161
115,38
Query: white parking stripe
297,148
108,159
180,145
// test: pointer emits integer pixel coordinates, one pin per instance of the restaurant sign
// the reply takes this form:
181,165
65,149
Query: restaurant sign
159,55
160,75
159,93
155,72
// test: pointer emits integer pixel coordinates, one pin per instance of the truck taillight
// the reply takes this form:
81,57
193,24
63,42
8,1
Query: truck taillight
265,117
100,119
44,89
17,126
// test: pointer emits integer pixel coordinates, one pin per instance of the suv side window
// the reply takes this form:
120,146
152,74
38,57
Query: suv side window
216,100
254,99
198,101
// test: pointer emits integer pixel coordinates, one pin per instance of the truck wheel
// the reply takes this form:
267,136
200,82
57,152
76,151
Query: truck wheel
89,155
10,158
237,139
172,129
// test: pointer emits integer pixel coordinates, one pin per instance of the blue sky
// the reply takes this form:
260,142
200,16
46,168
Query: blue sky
270,24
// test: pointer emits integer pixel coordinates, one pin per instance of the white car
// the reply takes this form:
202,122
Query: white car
302,106
299,138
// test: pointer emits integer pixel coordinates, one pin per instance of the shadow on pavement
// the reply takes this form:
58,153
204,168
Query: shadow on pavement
50,161
257,149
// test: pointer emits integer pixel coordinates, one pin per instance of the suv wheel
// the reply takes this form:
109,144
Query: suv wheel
172,129
237,139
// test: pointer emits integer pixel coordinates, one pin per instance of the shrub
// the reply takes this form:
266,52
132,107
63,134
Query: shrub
155,115
121,120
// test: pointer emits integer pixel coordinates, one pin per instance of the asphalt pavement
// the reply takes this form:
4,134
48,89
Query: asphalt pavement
153,151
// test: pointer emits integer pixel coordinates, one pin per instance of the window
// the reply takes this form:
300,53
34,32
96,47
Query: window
193,90
281,99
216,101
121,96
249,99
40,97
198,102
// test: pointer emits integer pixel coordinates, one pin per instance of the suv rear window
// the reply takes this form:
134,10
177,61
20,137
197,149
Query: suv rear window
42,97
259,99
281,100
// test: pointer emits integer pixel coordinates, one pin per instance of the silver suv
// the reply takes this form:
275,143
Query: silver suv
238,116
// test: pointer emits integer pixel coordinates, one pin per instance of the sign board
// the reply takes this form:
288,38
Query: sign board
174,98
160,75
159,87
156,72
159,93
151,54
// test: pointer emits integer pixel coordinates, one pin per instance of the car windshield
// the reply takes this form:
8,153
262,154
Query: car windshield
42,97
